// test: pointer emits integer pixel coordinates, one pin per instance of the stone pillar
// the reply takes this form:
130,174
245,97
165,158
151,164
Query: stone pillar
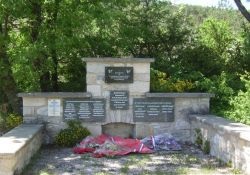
97,86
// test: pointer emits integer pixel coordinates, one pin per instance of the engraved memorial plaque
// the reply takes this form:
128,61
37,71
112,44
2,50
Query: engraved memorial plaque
54,107
153,109
89,110
119,74
119,100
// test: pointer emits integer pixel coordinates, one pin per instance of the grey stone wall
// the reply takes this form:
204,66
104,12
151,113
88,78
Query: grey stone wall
229,141
35,110
180,128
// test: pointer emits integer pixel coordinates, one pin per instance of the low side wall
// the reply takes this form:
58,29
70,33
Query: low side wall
18,146
229,141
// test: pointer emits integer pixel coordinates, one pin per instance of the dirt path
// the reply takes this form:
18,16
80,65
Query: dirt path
54,161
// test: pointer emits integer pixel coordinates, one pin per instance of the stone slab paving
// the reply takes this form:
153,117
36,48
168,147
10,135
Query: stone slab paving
55,161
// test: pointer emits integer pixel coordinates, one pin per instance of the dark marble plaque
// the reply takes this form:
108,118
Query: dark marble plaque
153,109
119,74
119,100
89,110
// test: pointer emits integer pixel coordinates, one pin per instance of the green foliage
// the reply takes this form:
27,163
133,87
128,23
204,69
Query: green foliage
73,134
13,120
198,137
219,86
9,121
216,34
206,147
161,83
240,109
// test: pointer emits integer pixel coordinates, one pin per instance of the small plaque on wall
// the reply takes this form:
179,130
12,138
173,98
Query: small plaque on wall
119,74
54,107
119,100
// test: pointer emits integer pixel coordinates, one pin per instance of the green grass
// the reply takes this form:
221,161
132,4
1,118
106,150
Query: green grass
182,170
33,160
135,159
125,169
236,171
101,173
44,172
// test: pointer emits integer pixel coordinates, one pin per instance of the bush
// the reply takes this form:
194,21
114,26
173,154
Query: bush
72,135
240,109
219,86
13,120
160,82
9,121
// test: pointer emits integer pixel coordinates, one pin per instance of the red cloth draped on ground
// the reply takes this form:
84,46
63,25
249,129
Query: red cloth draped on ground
111,146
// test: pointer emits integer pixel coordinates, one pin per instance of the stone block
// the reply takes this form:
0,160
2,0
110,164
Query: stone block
140,68
115,86
96,90
30,119
124,130
119,64
142,130
29,110
29,101
124,116
91,78
142,77
96,68
181,135
106,94
52,119
181,124
139,87
52,129
43,111
94,128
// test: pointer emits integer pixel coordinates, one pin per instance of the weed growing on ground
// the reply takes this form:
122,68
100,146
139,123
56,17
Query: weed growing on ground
35,158
191,159
125,169
182,170
236,171
229,164
206,147
198,137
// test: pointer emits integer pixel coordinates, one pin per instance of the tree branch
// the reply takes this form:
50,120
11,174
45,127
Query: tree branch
242,9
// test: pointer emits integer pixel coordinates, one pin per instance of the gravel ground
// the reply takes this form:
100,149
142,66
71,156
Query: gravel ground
55,161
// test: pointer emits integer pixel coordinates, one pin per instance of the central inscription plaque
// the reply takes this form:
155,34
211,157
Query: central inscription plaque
119,74
89,110
119,100
153,109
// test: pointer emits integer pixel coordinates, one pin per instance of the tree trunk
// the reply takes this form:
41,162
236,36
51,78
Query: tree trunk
44,79
8,83
242,9
53,51
55,71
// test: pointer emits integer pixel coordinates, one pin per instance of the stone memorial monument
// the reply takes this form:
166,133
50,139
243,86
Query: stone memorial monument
117,102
